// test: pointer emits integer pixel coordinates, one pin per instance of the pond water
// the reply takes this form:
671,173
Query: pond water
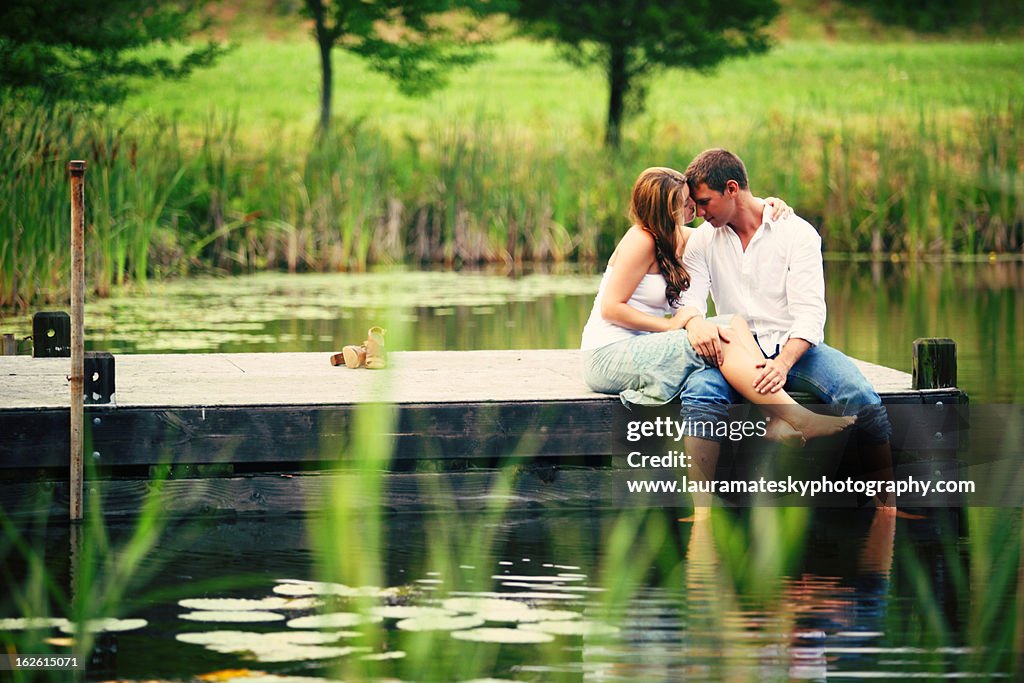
771,594
767,594
876,310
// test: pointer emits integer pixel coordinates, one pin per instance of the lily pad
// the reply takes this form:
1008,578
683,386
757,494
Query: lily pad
297,653
30,623
383,656
520,595
302,603
571,628
298,587
232,604
479,604
503,635
333,620
439,623
552,587
409,612
559,578
532,615
107,625
237,616
244,640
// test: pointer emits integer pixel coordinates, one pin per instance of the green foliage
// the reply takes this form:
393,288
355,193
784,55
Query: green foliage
629,40
893,148
930,16
466,193
403,39
88,50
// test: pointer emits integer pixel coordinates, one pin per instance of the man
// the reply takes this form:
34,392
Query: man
769,273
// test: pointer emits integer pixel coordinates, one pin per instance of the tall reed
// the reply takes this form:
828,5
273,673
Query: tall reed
161,202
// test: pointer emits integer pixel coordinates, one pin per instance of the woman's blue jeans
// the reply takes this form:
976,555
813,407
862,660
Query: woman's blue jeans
822,371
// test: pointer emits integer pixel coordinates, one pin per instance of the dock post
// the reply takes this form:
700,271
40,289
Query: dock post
9,346
934,363
77,170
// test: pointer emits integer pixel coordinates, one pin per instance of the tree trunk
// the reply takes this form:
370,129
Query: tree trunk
326,83
325,41
618,85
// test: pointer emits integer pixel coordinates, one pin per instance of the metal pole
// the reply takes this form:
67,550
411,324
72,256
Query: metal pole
77,170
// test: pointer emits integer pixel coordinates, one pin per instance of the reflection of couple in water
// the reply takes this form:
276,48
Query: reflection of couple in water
648,340
808,612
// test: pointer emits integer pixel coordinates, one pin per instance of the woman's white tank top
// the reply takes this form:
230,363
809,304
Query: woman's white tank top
648,297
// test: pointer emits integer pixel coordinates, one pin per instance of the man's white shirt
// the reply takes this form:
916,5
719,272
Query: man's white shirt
777,285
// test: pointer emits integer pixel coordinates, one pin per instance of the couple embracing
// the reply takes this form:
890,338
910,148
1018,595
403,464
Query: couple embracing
649,341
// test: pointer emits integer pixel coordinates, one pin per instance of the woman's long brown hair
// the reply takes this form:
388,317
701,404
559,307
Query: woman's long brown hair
656,206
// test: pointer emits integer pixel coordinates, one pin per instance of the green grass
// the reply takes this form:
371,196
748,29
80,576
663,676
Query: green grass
902,147
274,86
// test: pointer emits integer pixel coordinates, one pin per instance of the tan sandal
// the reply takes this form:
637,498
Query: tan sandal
353,356
376,356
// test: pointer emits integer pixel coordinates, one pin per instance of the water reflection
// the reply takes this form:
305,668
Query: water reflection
876,310
837,614
865,596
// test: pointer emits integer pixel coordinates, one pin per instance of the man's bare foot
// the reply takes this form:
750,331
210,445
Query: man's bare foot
781,431
700,513
812,425
885,508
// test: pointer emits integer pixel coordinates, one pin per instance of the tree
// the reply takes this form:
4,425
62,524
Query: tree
630,39
931,16
89,50
404,39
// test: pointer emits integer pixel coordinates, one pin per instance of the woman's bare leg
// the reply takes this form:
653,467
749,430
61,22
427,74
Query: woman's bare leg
740,359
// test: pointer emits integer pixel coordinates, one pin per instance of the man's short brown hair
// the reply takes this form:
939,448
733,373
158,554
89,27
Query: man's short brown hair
714,168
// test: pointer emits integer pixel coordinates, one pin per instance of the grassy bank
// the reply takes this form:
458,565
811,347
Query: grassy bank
908,148
273,87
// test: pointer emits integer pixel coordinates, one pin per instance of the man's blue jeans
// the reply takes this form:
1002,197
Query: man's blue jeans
822,371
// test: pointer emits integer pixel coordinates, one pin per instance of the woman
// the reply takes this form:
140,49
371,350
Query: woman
634,350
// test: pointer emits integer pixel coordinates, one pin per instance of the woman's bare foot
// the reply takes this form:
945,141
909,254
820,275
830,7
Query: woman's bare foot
781,431
812,425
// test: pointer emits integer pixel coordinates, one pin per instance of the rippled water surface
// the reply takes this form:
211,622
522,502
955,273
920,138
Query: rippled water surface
559,592
850,596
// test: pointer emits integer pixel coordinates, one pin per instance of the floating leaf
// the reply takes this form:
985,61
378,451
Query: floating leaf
232,604
503,635
107,625
245,639
29,623
571,628
520,595
473,605
239,616
540,579
296,653
299,587
332,620
439,623
551,587
531,615
409,612
382,656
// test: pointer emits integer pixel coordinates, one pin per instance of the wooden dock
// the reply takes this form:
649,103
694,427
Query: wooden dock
239,417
